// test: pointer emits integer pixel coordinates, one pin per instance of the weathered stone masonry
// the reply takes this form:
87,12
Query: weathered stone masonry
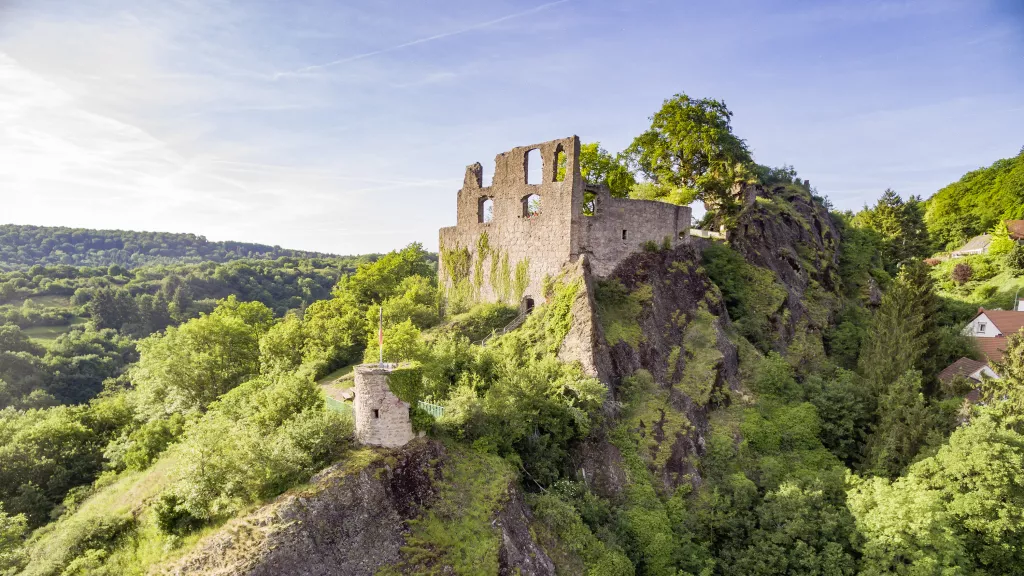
382,419
508,257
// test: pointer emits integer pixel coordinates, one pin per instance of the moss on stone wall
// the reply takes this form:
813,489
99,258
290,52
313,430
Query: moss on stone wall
673,361
522,279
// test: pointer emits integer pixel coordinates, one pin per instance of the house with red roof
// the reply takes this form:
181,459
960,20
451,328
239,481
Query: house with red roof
972,370
1016,229
990,329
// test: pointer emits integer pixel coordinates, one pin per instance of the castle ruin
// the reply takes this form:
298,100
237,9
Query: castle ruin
382,419
513,234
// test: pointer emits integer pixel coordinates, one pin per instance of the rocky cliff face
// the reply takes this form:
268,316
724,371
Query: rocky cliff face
785,231
354,519
660,313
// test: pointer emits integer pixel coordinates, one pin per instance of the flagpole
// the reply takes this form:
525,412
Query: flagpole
380,336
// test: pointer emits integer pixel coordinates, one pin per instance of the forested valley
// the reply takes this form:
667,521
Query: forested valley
776,407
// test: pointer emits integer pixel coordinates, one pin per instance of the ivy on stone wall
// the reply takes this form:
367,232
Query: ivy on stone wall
558,319
406,382
456,263
458,291
503,287
522,278
483,250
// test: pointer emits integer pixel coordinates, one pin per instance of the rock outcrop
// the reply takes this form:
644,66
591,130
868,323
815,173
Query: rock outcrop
671,291
352,519
788,232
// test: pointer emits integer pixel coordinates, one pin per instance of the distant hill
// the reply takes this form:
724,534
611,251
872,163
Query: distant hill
975,203
24,246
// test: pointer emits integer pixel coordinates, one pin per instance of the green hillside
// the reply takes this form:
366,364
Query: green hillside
977,202
25,246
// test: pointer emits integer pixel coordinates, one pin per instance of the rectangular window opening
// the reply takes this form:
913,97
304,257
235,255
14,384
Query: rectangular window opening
623,234
981,327
376,413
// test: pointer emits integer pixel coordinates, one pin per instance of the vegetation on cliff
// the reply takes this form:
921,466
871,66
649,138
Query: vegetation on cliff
769,404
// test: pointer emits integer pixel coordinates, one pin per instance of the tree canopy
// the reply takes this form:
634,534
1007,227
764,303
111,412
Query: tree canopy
690,152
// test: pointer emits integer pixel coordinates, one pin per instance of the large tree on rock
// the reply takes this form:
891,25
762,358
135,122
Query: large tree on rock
690,153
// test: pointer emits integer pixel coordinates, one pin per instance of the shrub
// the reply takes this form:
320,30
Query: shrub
140,448
984,267
172,517
985,292
482,319
637,385
1014,260
255,442
12,531
962,273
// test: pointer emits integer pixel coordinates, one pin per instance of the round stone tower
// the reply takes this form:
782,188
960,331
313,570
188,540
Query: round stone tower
382,419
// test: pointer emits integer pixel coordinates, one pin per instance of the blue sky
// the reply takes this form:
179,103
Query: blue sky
346,126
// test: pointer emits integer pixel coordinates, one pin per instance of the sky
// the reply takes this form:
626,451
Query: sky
345,127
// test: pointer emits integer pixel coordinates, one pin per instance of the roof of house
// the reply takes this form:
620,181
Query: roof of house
962,367
976,243
1016,228
1007,321
992,348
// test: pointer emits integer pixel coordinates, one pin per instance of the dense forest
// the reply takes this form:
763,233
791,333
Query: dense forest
772,404
67,329
22,247
977,203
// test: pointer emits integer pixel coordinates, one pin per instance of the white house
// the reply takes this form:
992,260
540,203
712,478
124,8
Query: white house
996,323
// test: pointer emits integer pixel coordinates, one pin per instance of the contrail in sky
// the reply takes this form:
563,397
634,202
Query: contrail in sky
421,40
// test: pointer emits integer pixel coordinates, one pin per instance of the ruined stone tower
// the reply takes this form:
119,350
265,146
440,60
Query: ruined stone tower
512,234
382,419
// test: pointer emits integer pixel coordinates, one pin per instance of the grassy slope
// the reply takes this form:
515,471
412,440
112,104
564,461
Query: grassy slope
995,291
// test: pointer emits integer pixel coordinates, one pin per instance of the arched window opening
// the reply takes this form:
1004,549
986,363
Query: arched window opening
589,203
485,209
534,167
531,206
561,164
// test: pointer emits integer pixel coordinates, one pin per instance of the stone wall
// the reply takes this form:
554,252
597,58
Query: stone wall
507,258
620,227
538,245
382,419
